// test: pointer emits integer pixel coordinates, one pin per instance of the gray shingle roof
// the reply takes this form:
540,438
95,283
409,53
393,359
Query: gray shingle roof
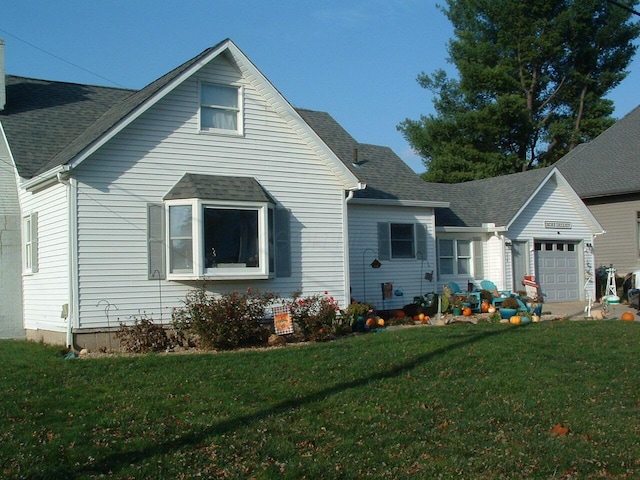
43,117
218,187
386,175
50,123
609,164
491,200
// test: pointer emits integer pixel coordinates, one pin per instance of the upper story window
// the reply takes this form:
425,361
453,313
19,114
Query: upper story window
220,108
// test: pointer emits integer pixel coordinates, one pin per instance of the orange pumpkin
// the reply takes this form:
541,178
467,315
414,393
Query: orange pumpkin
466,311
628,317
426,319
515,320
371,322
421,317
484,307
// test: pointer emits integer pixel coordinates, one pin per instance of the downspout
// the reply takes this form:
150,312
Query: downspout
347,258
71,310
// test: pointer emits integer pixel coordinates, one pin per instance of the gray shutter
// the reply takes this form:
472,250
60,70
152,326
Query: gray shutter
34,242
283,242
421,238
384,241
156,254
478,261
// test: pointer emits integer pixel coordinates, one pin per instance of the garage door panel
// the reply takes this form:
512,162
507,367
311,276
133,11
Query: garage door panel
558,271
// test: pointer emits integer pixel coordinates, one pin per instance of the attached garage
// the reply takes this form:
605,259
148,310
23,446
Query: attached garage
557,264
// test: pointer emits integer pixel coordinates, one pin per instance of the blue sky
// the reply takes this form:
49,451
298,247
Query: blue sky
356,59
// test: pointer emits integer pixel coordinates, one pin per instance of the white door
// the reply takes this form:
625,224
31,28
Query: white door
557,270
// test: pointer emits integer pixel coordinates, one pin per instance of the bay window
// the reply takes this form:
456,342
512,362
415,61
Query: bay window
217,227
219,240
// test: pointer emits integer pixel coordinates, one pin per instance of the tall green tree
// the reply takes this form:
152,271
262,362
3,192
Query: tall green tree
531,82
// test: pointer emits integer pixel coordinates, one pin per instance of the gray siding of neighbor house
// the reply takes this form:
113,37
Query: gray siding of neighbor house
10,255
619,246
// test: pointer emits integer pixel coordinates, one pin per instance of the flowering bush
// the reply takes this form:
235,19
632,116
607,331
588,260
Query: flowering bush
316,317
225,321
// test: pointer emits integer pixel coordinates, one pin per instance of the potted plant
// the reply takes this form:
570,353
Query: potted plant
456,305
508,308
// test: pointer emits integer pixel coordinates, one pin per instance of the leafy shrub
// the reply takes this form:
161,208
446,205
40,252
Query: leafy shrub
316,317
143,337
225,321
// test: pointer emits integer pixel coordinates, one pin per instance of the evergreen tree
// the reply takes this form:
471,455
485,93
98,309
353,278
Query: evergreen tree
532,77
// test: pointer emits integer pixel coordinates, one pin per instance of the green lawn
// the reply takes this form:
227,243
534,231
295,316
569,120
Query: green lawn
462,401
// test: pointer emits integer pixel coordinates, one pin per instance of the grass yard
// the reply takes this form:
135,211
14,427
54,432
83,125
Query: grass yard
462,401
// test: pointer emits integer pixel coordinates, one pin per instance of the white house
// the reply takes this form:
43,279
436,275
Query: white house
118,202
529,223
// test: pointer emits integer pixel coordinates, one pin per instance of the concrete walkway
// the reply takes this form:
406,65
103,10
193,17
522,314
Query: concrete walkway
577,311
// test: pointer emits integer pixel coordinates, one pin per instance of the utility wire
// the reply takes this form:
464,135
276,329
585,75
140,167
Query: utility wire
60,58
624,7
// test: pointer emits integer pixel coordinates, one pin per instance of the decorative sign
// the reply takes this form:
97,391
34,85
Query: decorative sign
550,224
282,320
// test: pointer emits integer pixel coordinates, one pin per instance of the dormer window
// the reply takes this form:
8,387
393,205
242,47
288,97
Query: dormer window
220,108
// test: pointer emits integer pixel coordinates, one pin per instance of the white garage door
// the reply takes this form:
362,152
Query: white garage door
557,269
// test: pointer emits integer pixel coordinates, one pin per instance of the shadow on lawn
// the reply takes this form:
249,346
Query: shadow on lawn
113,462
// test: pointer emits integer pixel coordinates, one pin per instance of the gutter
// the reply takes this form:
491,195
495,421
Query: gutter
401,203
72,253
485,228
46,179
345,233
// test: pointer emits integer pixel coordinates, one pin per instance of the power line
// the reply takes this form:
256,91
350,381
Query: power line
60,58
624,7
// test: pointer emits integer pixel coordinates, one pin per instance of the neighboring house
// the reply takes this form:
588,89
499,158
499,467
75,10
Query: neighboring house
126,200
605,173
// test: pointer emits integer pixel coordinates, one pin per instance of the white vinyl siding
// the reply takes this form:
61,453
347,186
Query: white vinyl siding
554,204
406,274
143,162
45,294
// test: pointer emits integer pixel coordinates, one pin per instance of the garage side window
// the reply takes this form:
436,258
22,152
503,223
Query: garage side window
30,243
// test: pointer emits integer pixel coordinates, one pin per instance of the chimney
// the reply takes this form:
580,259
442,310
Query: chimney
3,81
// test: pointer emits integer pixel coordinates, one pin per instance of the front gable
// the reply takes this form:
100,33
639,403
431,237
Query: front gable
553,202
224,64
